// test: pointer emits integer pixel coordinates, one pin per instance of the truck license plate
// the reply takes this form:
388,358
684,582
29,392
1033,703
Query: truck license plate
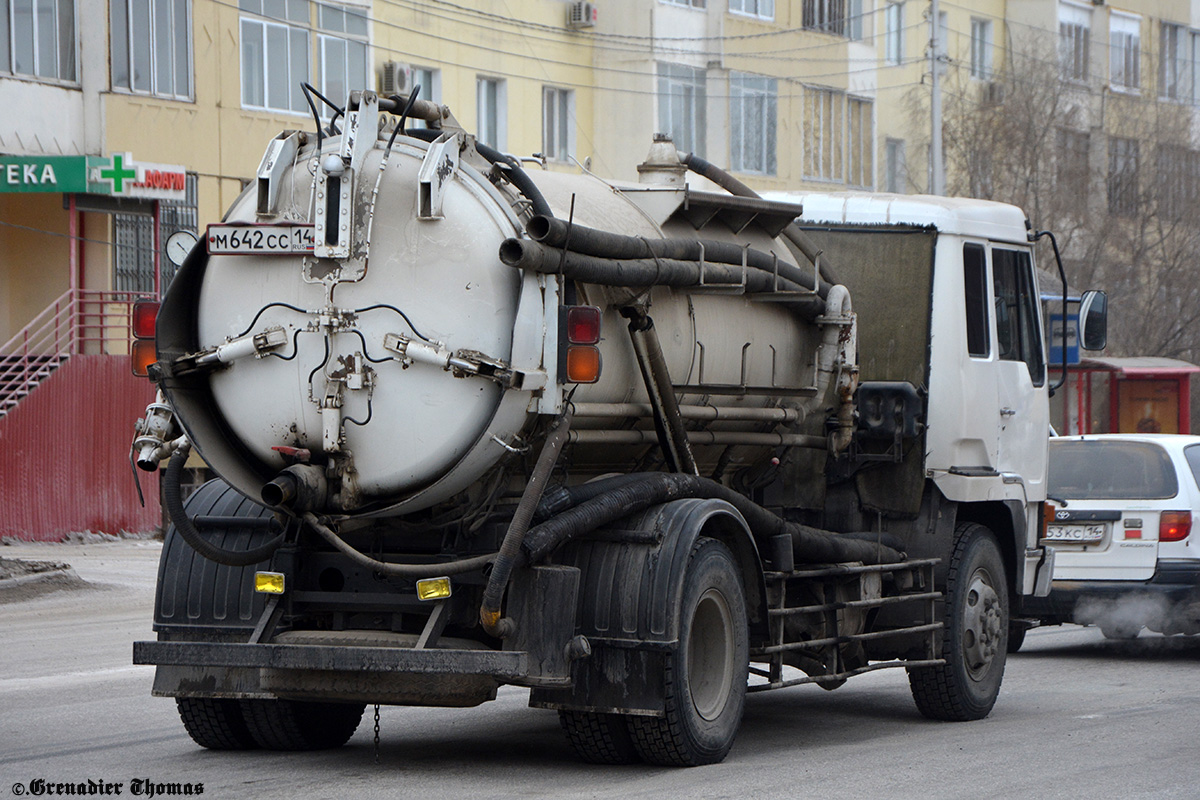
266,240
1078,534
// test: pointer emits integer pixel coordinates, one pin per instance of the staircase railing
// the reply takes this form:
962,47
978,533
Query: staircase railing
77,322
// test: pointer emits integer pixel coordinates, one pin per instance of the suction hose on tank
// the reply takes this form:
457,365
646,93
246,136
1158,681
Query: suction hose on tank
654,271
732,185
173,499
554,232
809,545
411,571
510,548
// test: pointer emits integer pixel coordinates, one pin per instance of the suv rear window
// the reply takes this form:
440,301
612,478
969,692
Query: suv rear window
1099,470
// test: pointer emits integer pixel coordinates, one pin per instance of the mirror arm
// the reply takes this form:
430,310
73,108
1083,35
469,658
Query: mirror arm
1062,275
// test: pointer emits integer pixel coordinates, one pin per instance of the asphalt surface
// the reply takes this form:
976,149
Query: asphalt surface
1078,717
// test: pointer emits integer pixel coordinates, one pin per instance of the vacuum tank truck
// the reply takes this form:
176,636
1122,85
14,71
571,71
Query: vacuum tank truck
638,447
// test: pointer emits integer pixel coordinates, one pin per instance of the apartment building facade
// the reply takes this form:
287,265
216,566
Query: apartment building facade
130,119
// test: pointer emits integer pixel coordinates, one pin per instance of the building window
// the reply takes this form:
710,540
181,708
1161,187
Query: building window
430,81
752,123
1178,181
1174,65
176,215
37,38
893,33
764,9
341,51
827,16
490,106
854,20
685,3
558,123
152,47
683,106
824,132
860,151
895,179
1074,37
277,52
275,55
133,241
1124,47
981,49
1072,173
1122,176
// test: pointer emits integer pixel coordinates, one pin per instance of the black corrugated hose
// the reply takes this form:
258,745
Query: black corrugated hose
626,496
173,499
510,548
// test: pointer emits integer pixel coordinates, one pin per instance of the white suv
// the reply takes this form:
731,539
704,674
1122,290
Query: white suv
1119,517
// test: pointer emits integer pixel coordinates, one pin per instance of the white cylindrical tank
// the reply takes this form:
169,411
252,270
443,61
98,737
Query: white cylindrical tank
353,365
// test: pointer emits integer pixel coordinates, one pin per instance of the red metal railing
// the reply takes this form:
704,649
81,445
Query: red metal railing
78,322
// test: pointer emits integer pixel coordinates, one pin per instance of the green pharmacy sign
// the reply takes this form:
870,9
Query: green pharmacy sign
117,175
43,173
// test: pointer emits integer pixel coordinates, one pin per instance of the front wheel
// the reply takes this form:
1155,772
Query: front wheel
706,673
975,639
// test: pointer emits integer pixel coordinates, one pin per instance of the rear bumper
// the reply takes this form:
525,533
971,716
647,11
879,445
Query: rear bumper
397,675
1172,584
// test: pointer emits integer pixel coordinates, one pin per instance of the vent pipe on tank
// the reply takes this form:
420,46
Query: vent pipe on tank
662,166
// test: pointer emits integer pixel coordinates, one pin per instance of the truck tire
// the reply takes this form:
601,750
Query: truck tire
296,725
975,639
214,723
705,678
599,738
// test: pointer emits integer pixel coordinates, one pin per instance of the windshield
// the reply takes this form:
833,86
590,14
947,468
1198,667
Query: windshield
1107,470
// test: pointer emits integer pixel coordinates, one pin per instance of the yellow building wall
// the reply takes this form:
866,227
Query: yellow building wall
34,245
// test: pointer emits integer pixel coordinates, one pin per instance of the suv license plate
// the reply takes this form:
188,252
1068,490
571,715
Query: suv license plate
266,240
1078,534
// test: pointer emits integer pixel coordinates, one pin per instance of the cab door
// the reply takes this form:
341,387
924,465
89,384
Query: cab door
1022,413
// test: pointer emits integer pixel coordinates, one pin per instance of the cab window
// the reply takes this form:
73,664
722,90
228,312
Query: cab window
1018,335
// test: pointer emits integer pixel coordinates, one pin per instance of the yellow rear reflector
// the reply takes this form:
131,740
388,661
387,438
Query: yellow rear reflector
268,582
433,589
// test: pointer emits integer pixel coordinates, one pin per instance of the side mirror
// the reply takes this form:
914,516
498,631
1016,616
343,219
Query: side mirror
1093,320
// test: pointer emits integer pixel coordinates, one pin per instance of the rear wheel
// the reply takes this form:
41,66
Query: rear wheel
975,639
1120,633
214,723
295,725
705,688
599,738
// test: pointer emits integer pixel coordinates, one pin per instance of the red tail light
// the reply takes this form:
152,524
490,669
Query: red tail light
583,324
145,312
1174,526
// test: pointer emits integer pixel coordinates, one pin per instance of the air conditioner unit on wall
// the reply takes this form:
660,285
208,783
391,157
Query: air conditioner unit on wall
993,93
395,78
581,15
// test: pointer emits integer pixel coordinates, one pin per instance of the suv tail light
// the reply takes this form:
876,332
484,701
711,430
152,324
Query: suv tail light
1174,526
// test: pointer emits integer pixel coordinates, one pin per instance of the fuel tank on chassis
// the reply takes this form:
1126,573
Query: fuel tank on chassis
411,431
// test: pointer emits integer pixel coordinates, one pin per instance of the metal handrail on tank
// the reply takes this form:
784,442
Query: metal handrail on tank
79,321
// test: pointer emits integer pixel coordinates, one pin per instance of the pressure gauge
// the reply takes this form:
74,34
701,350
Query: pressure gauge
179,244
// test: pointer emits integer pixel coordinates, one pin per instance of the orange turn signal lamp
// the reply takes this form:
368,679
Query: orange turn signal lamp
142,322
579,335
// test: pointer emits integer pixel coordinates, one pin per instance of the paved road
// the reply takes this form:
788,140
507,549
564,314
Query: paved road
1079,717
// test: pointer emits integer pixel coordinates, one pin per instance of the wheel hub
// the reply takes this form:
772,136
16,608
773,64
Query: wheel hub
982,625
